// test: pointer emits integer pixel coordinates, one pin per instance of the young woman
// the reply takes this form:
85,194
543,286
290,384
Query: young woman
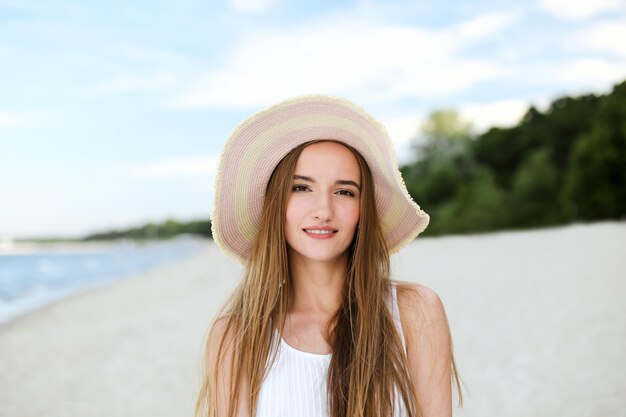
310,198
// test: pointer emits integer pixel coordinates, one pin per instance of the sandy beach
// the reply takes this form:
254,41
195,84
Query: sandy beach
538,320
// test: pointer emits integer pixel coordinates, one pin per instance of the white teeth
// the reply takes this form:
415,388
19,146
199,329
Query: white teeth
318,232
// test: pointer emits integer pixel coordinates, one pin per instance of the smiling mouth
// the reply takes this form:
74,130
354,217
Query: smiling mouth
320,232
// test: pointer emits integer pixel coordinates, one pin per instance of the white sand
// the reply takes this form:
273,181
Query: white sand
538,320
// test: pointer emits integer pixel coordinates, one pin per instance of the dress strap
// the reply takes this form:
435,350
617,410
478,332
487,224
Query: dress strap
395,313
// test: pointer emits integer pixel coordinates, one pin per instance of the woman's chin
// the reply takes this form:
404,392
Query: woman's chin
317,256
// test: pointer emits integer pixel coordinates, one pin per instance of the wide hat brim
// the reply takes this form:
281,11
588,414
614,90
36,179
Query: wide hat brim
261,141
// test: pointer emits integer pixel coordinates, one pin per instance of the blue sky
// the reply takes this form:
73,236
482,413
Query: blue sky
113,114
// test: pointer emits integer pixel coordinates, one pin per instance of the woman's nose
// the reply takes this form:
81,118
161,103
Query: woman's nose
323,210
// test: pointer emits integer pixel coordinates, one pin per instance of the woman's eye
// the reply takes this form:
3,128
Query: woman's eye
300,188
347,193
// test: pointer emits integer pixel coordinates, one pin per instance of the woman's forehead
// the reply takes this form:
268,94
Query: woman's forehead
328,159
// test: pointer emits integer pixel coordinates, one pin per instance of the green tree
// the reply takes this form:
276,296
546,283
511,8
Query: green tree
591,192
595,183
443,161
446,135
566,120
478,206
534,198
432,182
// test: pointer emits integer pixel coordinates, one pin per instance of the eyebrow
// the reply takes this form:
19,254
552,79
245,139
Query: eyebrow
340,182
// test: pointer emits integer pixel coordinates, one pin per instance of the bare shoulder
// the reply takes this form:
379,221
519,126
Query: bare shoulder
421,303
219,332
423,318
414,292
218,329
218,346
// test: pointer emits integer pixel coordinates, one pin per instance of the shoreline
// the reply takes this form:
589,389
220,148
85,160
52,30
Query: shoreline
103,285
29,248
36,275
87,291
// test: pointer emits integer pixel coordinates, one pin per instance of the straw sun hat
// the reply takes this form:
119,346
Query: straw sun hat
259,143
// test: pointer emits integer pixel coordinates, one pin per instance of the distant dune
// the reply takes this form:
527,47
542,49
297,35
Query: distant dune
538,321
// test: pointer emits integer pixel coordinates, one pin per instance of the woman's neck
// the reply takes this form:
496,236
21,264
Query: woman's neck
317,286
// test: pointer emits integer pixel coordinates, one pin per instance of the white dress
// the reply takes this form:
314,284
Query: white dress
295,386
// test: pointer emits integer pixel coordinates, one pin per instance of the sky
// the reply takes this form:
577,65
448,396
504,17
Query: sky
113,114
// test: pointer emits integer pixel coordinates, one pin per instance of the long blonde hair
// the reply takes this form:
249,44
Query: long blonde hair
368,362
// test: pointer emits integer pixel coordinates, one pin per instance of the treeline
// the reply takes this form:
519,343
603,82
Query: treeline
567,164
165,230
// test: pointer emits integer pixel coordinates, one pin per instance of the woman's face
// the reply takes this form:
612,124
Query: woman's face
324,204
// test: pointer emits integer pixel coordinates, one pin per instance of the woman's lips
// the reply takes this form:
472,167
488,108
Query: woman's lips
320,232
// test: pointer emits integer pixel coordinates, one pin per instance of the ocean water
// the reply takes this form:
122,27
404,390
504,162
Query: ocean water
32,279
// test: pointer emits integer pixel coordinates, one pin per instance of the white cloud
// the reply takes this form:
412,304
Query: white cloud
403,128
251,5
579,9
487,24
503,113
8,119
608,36
177,167
592,73
349,60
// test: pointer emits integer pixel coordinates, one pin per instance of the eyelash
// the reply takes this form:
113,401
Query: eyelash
348,193
299,188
